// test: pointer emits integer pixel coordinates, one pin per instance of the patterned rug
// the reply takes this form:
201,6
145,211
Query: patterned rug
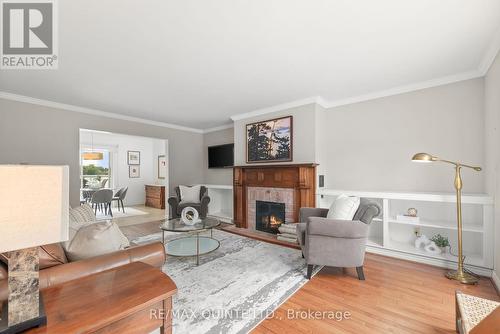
234,287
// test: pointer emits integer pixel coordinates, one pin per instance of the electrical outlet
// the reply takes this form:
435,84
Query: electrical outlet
417,231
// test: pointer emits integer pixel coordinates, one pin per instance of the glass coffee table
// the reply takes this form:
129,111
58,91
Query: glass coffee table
193,244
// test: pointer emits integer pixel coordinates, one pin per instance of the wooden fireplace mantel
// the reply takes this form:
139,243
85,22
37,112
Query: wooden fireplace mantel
300,177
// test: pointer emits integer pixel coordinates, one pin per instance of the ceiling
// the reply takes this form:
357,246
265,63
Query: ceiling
196,63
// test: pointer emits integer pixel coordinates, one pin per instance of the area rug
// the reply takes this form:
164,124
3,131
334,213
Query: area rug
129,212
235,287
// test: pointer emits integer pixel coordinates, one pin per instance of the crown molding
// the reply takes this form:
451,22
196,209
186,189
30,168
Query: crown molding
279,107
405,89
491,54
95,112
219,128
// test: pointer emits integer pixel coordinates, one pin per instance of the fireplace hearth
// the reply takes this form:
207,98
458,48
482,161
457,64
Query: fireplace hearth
269,216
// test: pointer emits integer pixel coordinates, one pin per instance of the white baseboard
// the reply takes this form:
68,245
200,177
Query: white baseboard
496,280
427,260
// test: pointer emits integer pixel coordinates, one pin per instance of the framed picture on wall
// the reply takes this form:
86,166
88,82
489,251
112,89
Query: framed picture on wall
162,167
270,141
134,172
133,157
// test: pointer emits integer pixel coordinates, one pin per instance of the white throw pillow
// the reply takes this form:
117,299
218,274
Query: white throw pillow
94,239
190,194
344,207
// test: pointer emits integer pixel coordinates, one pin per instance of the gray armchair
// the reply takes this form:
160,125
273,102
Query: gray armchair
336,243
177,206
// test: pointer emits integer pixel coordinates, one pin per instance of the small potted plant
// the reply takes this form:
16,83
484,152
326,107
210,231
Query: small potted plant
441,242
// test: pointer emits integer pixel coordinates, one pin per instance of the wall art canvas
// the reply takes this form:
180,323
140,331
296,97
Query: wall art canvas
162,166
270,141
133,157
134,172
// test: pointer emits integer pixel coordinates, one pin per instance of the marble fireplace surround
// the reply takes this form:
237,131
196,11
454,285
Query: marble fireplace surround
277,195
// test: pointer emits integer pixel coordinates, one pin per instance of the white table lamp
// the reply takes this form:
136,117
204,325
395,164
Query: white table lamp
34,208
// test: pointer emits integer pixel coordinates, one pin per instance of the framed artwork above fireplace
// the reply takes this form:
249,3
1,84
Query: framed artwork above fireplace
270,141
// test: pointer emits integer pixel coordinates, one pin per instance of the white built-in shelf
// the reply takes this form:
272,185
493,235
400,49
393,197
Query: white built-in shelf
472,259
392,237
440,224
375,242
218,186
222,215
417,196
221,201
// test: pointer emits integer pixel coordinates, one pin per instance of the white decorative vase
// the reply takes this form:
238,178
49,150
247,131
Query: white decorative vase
190,216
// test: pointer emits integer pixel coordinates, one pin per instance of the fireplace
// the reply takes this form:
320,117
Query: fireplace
269,216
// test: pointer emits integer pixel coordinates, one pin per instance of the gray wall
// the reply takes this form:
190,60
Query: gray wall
492,146
304,126
42,135
369,145
217,175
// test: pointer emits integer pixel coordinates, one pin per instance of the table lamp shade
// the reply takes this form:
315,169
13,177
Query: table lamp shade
34,206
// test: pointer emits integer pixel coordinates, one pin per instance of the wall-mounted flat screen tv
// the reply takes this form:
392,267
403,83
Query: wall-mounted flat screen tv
221,156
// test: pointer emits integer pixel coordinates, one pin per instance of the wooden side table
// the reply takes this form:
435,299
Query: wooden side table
134,298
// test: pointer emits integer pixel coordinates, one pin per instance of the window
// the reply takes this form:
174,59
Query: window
96,173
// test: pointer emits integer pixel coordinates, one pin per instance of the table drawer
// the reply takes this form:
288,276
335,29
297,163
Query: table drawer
155,203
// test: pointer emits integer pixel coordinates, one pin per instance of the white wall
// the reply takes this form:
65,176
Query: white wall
119,146
492,146
369,145
304,127
43,135
217,175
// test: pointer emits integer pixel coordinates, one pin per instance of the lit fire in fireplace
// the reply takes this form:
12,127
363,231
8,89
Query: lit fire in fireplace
271,222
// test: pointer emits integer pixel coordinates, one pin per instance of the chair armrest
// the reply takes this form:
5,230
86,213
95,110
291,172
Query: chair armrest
205,200
348,229
305,213
173,201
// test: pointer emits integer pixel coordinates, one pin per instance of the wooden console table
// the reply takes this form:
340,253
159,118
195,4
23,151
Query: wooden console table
155,196
134,298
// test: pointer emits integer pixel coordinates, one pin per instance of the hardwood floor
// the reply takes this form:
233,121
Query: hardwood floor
397,297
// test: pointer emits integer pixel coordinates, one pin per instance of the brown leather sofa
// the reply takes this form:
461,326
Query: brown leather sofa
54,268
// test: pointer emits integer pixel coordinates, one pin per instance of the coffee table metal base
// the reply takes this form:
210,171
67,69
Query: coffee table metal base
191,246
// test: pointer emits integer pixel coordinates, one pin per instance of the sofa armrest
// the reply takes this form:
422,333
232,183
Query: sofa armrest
305,213
348,229
153,254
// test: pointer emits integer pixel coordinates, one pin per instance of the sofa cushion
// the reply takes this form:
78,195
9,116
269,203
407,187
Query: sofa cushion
95,239
190,194
49,256
344,207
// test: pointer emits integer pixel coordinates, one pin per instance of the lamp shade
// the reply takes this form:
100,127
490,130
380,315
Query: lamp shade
423,157
93,156
34,206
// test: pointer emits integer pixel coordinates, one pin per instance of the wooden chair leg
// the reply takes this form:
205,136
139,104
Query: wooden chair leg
361,274
123,208
309,271
110,210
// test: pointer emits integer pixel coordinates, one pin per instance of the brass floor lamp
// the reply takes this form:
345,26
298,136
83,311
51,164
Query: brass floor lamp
459,274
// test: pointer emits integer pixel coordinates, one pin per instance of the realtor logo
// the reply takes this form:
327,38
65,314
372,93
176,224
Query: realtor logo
29,34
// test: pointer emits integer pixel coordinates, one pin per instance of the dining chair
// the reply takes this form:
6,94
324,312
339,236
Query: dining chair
103,183
120,196
101,199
